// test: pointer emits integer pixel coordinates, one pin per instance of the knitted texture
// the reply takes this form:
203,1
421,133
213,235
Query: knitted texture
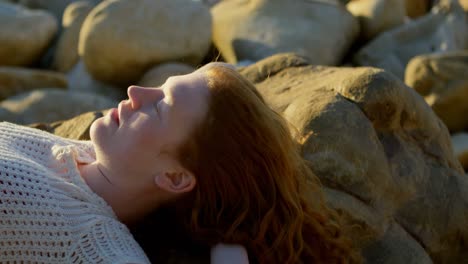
48,214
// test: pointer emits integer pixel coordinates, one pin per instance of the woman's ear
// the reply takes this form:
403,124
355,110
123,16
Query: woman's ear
175,181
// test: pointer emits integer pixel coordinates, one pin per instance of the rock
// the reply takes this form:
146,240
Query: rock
322,31
369,136
365,224
209,3
74,128
443,81
50,105
15,80
55,7
24,34
464,4
374,16
120,40
417,8
66,52
158,74
79,80
444,29
396,246
460,147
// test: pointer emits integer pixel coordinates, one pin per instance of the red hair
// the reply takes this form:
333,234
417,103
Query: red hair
252,181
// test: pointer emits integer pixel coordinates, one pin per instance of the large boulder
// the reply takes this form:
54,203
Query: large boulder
442,78
374,16
443,29
322,31
120,39
375,142
24,34
79,80
50,105
66,52
14,80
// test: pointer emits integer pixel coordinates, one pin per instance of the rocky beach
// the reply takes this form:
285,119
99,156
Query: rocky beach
376,89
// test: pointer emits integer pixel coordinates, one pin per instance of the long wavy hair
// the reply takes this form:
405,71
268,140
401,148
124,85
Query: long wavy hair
252,182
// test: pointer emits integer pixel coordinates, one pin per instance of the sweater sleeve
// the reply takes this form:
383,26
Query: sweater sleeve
107,240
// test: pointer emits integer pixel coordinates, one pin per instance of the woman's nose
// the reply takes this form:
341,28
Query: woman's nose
139,95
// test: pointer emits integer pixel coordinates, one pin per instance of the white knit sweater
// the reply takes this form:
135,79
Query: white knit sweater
48,214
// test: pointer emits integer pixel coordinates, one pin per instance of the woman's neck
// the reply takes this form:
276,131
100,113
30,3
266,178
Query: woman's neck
129,205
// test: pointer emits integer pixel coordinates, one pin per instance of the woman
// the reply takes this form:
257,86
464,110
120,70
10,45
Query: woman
251,182
194,144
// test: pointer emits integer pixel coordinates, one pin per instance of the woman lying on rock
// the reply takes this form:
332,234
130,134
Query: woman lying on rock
204,143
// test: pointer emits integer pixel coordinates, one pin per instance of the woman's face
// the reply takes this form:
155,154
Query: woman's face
147,128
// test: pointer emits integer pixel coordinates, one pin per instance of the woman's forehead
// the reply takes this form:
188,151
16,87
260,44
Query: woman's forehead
187,91
190,83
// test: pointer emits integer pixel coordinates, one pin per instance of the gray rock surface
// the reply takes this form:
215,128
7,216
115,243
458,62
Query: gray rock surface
79,80
66,52
15,80
443,29
120,40
374,15
323,31
50,105
369,136
56,7
24,34
396,246
442,78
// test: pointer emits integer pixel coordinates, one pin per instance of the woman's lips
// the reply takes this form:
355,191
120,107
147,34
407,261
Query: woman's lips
115,115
